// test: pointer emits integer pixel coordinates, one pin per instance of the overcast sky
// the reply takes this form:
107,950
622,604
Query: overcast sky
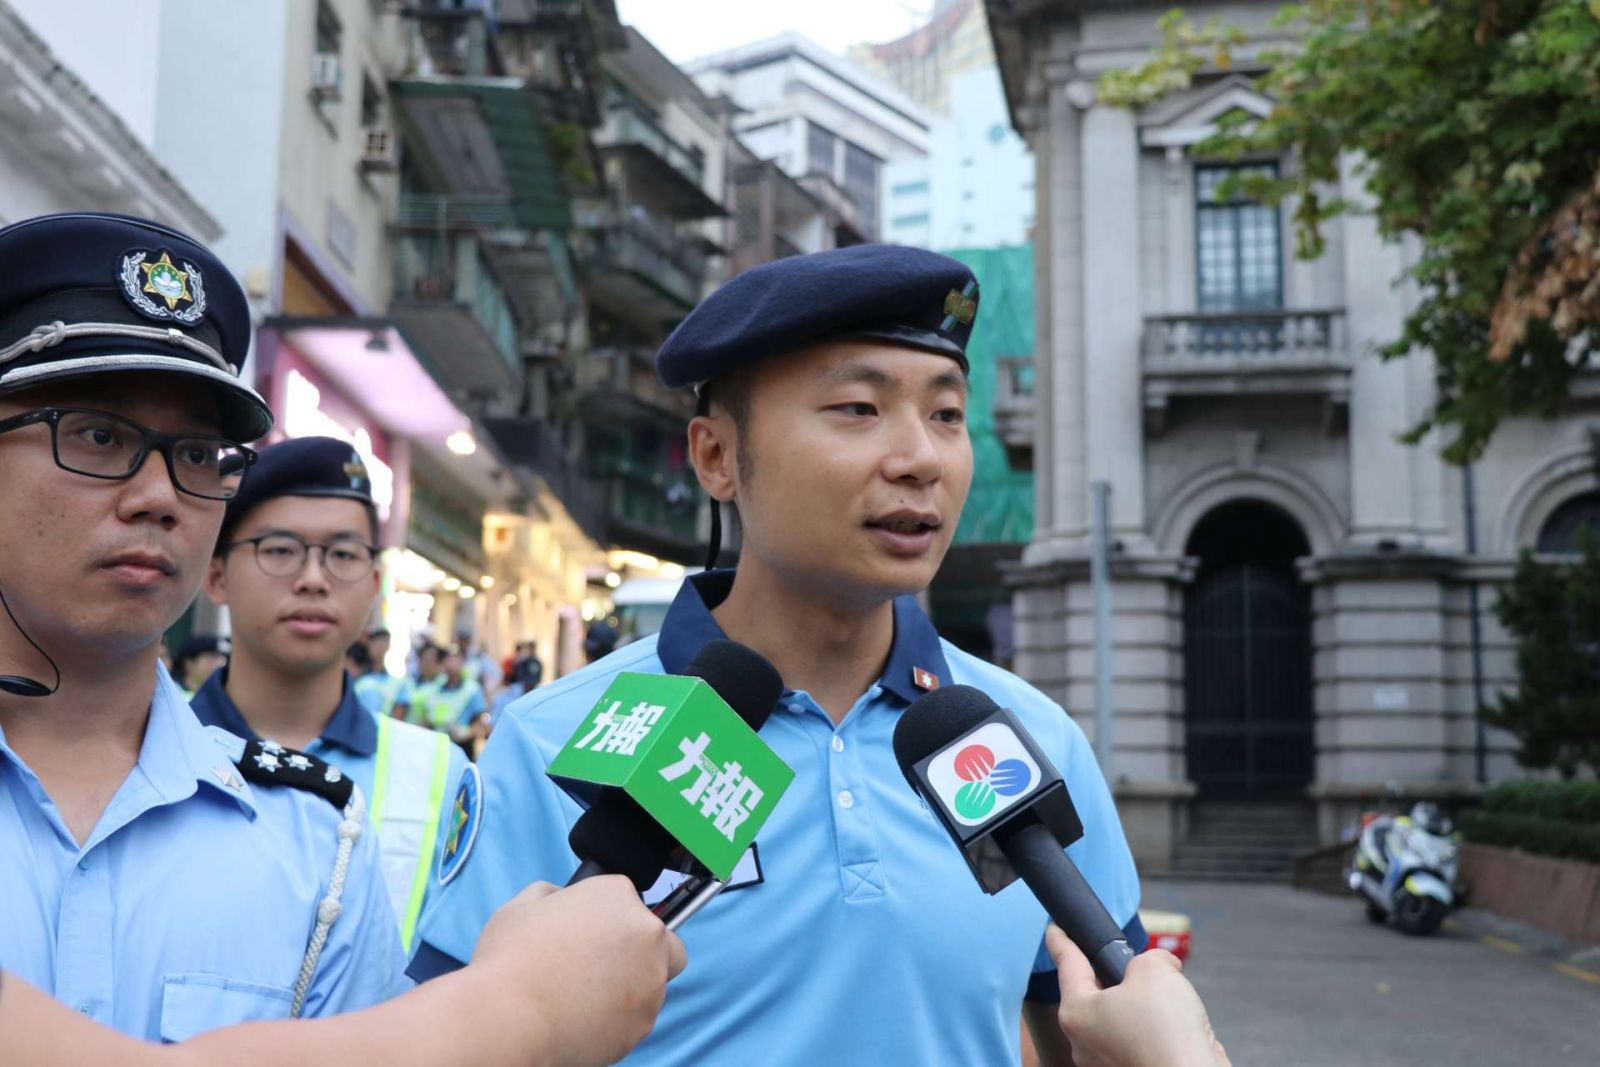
686,29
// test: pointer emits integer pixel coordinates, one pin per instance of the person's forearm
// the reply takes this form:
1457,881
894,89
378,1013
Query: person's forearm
415,1028
411,1029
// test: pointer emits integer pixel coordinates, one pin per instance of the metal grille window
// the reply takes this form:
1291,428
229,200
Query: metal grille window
1560,535
1238,244
819,150
861,185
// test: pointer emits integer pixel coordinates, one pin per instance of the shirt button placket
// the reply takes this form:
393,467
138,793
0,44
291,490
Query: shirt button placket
858,856
83,961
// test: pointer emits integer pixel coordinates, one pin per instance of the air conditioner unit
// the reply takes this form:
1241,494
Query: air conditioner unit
326,75
380,150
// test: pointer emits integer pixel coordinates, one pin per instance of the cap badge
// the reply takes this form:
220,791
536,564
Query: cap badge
960,307
924,680
356,471
177,288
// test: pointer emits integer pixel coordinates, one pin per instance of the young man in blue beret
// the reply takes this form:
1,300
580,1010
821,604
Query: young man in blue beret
156,875
296,566
834,395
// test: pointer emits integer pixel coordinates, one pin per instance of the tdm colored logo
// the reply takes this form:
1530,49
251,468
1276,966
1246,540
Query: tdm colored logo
983,774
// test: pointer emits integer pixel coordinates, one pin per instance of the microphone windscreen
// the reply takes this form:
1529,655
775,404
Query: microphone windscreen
935,720
621,837
741,676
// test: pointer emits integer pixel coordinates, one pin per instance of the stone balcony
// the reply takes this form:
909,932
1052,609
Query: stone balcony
1014,408
1246,354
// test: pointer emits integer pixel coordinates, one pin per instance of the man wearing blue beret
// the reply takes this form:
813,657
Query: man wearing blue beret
156,874
296,566
833,392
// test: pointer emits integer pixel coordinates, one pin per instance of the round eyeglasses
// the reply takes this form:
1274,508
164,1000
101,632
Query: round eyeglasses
282,555
98,444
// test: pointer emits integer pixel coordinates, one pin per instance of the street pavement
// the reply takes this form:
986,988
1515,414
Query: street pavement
1294,978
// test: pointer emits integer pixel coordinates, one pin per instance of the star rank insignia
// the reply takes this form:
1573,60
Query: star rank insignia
269,763
178,291
927,681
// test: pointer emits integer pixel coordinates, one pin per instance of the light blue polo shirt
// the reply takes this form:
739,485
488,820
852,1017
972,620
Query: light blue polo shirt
869,940
191,903
349,741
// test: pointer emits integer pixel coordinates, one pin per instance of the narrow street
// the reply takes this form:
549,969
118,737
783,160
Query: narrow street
1299,979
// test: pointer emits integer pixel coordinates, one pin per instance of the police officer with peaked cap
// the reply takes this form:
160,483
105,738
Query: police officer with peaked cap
296,567
833,394
158,875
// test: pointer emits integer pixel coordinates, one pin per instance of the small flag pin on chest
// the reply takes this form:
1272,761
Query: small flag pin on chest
924,680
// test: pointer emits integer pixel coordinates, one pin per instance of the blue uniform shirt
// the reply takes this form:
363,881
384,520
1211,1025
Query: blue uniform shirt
869,940
349,741
190,905
380,692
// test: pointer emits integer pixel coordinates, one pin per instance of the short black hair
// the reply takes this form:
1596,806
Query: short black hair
359,655
731,393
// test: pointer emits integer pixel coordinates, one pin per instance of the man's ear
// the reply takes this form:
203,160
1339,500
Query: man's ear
216,583
713,451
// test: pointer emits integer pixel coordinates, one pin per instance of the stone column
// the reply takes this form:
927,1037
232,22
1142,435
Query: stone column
1112,324
1059,370
1383,487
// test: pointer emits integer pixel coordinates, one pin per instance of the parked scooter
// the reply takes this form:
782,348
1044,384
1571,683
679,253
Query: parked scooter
1405,868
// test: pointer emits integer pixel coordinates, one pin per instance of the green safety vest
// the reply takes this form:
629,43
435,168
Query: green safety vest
442,707
408,788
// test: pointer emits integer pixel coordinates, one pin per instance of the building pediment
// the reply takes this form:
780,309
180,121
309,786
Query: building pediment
1189,118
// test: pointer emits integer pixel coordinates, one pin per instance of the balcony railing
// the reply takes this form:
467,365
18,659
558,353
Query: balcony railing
1248,353
447,212
644,246
1271,338
624,126
451,269
1014,408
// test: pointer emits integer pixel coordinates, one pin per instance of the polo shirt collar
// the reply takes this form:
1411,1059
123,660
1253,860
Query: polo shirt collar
689,624
178,751
352,726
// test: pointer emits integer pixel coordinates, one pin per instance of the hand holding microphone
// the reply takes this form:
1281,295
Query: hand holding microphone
670,762
1153,1019
1008,810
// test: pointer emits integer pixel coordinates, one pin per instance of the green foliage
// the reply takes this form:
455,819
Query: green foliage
1563,840
1474,125
1557,801
1553,610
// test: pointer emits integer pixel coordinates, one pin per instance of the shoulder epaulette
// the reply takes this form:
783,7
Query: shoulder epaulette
269,763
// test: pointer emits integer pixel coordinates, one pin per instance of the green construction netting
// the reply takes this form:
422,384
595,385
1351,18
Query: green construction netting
1000,506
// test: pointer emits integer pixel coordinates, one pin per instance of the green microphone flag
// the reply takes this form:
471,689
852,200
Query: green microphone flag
673,745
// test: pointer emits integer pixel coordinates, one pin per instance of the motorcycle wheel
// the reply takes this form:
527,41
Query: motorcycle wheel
1376,915
1420,916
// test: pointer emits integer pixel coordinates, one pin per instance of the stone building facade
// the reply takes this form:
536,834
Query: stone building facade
1292,583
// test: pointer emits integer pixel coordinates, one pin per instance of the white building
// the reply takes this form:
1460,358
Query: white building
71,140
815,113
1292,583
975,187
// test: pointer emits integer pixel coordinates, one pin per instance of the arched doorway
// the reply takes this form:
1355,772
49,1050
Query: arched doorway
1247,656
1561,534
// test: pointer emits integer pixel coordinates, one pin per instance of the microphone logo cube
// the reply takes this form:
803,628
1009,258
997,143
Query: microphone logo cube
674,746
984,774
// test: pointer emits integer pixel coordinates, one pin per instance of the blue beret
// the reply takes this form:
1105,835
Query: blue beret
301,466
906,296
87,293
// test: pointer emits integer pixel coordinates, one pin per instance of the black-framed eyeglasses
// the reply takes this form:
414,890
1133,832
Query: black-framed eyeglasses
282,555
98,444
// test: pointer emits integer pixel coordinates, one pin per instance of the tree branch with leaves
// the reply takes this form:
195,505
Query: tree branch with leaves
1474,128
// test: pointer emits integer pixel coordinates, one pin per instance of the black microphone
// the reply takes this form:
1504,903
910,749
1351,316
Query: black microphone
16,684
997,795
616,835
